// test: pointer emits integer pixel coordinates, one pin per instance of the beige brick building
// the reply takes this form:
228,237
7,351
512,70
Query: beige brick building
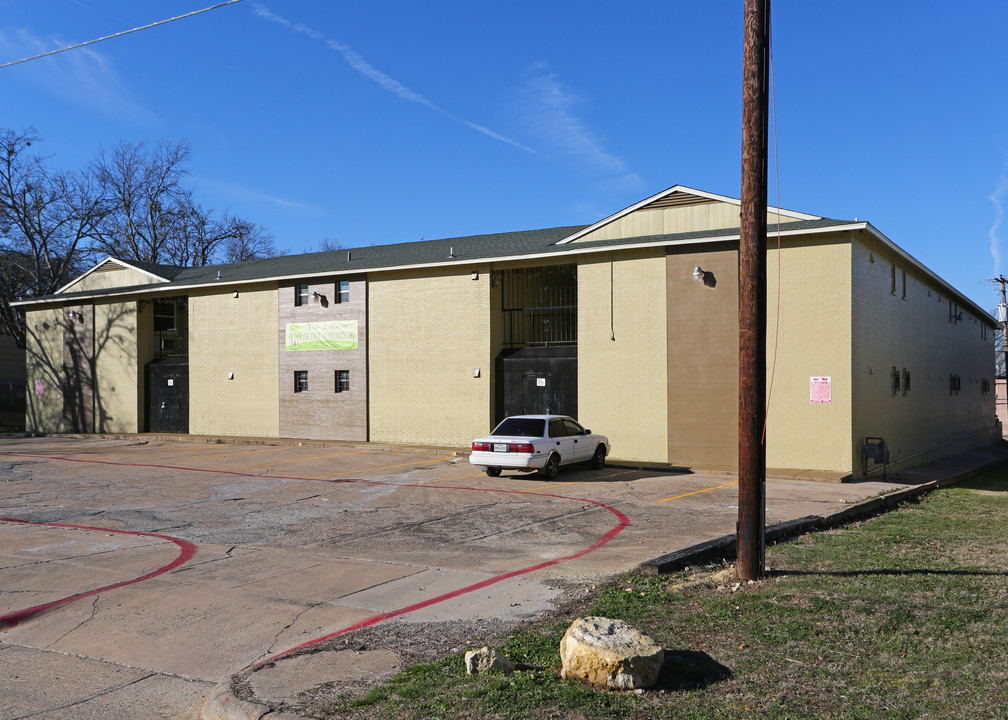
432,342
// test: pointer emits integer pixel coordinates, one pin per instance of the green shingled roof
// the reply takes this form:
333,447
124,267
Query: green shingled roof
404,255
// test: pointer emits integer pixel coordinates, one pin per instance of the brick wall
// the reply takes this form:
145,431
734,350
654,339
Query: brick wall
814,340
238,335
44,413
321,413
622,363
117,376
914,331
428,331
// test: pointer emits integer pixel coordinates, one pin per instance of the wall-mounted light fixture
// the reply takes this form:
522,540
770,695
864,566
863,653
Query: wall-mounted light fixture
315,296
704,276
74,315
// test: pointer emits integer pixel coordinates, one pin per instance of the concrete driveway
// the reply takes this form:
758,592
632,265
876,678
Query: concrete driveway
137,573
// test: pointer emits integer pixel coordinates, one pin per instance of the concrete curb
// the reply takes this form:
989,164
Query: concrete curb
723,548
221,704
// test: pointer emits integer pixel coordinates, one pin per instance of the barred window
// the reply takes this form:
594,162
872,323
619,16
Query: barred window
342,381
300,381
343,291
301,295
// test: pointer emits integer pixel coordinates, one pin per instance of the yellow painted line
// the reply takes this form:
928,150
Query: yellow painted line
250,451
132,450
697,492
383,467
550,487
285,462
575,482
458,477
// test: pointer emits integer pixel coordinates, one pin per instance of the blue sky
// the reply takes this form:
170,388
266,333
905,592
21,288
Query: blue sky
371,123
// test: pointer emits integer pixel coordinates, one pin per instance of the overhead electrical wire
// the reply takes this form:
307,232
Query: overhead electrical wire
773,367
119,34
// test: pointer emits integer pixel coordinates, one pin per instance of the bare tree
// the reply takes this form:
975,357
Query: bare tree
47,219
131,203
247,241
154,217
329,244
150,206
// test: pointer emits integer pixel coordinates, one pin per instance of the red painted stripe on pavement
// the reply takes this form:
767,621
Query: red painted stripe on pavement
623,522
187,551
375,619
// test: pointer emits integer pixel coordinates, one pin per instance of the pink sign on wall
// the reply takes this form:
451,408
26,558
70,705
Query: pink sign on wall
38,387
820,390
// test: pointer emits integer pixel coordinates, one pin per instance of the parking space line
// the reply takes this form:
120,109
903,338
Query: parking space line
383,467
697,492
285,462
459,477
574,482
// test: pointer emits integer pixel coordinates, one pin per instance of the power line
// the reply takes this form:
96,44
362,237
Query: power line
119,34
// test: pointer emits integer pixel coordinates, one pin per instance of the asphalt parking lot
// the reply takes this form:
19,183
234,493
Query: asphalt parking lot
137,573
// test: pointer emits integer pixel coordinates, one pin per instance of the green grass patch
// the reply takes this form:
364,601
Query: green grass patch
904,616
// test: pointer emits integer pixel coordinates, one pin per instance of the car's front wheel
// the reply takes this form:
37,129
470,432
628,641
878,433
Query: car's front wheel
598,459
552,467
493,471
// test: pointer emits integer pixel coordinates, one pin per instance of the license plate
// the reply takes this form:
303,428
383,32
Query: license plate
500,447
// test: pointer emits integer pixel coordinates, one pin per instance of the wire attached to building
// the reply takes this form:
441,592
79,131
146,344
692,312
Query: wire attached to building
119,34
773,366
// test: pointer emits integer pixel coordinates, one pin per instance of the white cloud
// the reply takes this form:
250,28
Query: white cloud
84,77
247,194
362,66
549,110
994,233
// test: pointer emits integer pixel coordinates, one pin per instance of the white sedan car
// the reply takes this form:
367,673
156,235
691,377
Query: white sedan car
538,442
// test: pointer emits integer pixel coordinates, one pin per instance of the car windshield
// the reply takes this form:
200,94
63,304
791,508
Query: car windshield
521,427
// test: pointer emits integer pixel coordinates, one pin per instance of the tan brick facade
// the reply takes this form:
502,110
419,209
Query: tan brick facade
44,370
233,374
903,355
622,353
429,332
946,351
119,388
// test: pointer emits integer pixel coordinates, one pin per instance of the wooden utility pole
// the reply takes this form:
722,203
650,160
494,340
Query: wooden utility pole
752,290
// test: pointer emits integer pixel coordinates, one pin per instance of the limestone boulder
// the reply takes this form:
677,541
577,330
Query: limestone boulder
487,658
611,654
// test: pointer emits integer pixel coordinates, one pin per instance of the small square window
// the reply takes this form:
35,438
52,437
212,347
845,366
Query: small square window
301,295
343,291
342,381
300,381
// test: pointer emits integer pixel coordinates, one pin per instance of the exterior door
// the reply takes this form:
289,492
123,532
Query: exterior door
168,397
564,443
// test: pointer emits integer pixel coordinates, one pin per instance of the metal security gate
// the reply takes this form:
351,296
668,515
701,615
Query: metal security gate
168,397
537,380
536,371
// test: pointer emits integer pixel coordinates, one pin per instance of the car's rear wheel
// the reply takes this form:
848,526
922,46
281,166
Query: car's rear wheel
552,467
493,471
598,459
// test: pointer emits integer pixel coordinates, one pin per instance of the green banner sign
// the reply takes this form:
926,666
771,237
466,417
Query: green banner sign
331,335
